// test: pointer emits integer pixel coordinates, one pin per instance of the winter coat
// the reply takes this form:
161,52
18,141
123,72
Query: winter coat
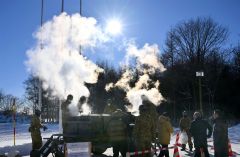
109,109
152,111
34,128
220,138
65,113
143,131
198,131
117,127
184,123
165,129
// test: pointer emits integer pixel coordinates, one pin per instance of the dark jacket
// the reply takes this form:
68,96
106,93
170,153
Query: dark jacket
220,137
185,123
200,130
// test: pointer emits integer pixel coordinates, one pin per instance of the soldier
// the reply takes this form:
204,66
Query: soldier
200,130
143,131
65,110
82,101
151,110
164,133
110,107
117,132
220,135
184,125
35,130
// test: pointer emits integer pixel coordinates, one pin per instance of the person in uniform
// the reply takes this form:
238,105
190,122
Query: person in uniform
117,132
184,125
165,129
34,128
151,109
143,131
65,111
81,101
200,130
110,107
220,135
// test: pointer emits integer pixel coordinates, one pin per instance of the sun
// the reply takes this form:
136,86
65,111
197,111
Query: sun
114,27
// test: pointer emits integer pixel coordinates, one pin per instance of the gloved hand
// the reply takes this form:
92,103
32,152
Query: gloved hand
44,128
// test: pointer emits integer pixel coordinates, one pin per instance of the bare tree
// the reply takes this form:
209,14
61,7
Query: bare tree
49,106
31,91
189,47
194,40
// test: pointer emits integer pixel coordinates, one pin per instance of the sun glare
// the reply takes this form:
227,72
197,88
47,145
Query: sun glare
114,27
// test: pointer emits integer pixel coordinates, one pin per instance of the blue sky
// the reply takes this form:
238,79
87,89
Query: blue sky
147,21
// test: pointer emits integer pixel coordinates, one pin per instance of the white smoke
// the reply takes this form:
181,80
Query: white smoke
56,60
147,62
148,55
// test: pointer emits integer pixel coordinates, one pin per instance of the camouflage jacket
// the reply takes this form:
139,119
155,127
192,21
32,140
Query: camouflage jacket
65,111
35,125
144,128
184,123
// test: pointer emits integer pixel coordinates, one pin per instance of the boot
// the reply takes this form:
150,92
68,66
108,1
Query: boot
183,147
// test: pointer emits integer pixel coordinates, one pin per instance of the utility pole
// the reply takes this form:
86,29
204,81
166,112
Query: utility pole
62,9
59,99
80,47
81,7
200,74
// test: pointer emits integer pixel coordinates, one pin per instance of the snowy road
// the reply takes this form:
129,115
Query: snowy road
23,139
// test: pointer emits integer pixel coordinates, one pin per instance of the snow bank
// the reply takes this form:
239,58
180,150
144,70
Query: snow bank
23,139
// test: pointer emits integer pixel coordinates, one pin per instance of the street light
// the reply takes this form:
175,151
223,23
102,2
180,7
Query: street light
200,74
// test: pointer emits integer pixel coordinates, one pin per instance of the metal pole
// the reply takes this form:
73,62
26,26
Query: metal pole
39,81
80,47
200,95
59,100
14,122
80,7
62,6
200,74
42,13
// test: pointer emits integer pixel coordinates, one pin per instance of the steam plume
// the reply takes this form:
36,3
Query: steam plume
55,59
147,63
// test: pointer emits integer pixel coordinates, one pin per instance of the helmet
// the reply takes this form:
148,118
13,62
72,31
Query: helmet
83,99
197,115
69,97
109,101
165,114
144,98
184,113
37,112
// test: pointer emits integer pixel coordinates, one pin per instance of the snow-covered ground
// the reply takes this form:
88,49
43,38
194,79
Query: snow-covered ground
23,139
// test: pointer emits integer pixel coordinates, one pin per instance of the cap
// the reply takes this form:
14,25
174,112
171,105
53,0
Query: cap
69,97
37,112
184,113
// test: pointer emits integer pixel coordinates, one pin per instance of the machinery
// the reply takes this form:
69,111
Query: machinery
85,128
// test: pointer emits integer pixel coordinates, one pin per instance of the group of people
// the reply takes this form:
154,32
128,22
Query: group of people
201,130
150,128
